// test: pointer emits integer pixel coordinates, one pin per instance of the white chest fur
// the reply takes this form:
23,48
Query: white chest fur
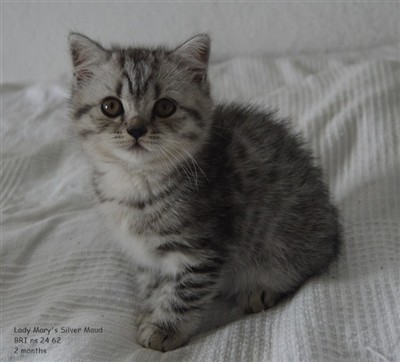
142,248
117,185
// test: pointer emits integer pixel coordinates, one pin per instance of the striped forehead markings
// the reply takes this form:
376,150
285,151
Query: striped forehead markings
138,77
138,87
141,73
128,79
118,89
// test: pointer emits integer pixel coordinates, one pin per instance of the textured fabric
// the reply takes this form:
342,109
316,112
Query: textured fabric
60,267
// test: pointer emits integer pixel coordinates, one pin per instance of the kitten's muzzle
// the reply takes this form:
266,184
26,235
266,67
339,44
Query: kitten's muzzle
137,132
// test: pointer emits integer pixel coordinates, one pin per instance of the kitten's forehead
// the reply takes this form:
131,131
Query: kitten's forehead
137,55
139,68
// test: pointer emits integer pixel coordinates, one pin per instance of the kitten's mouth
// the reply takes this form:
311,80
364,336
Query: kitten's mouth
136,147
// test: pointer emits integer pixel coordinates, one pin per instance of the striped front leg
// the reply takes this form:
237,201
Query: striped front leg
173,307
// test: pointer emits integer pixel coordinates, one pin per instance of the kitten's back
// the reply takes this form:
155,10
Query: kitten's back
282,215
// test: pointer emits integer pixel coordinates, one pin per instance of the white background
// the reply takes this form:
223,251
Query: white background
34,34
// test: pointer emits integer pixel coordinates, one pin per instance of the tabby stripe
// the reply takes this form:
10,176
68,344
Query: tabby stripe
175,124
182,309
152,288
149,222
147,82
157,91
145,87
143,203
135,204
203,269
130,85
118,89
167,325
102,126
194,114
154,66
164,193
83,110
173,246
205,243
191,284
122,61
152,218
138,82
193,296
178,229
206,268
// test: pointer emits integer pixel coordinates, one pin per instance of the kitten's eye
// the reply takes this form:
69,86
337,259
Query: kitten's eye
112,107
164,108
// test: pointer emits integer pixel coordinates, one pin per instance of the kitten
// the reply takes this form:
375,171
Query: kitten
206,199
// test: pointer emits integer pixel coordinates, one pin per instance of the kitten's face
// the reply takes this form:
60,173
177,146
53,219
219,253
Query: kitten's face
143,107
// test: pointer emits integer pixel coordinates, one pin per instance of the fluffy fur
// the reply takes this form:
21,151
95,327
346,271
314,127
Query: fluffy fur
214,199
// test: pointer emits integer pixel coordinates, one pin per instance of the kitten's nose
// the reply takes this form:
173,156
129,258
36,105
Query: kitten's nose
137,132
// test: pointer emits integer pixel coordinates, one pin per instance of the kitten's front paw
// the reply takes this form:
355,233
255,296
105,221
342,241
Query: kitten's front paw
257,300
154,337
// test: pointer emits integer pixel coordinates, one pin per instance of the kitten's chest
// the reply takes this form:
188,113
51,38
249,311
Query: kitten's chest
135,204
143,248
142,215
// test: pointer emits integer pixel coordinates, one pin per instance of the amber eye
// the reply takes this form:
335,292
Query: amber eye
164,108
112,107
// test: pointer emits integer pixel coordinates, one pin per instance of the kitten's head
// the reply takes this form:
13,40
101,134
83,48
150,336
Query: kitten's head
144,107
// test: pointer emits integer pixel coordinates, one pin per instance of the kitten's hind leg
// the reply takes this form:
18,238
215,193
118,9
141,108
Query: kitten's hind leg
257,300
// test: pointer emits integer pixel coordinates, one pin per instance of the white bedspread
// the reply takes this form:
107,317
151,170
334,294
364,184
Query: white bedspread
61,268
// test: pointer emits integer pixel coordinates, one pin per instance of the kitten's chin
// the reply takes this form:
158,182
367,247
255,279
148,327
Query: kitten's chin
135,154
138,157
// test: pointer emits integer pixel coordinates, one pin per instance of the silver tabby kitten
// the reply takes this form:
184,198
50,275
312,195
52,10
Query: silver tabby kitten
207,199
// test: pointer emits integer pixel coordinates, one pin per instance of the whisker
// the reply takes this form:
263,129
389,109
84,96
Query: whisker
195,163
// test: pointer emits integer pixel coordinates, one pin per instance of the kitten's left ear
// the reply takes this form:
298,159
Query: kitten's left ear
195,53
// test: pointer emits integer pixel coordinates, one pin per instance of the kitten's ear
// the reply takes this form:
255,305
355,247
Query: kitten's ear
195,53
85,54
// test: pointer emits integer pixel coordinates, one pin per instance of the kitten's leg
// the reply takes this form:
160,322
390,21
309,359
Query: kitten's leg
173,307
257,300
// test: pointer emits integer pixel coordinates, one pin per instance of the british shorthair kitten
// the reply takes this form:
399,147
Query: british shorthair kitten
207,199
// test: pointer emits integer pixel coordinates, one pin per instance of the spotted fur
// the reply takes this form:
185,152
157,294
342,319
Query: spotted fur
219,199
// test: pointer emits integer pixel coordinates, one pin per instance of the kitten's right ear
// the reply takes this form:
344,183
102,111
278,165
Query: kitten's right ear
85,54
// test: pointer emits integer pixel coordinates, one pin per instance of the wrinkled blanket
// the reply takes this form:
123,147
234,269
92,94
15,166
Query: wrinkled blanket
65,278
